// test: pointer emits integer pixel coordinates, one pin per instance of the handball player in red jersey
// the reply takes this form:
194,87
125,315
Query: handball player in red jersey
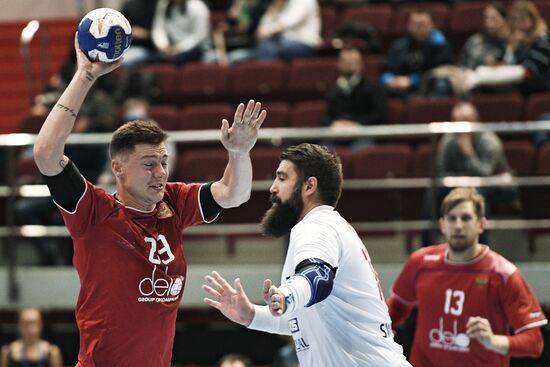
468,297
128,246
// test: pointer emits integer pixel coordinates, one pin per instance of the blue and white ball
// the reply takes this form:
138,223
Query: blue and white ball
104,34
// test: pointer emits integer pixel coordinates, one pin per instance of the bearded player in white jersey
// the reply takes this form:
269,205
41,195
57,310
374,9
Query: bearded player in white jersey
330,299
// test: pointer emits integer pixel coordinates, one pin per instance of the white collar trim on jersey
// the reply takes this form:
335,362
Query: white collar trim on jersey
318,209
484,251
132,208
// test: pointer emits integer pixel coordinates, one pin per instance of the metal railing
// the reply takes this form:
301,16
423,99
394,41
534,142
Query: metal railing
280,137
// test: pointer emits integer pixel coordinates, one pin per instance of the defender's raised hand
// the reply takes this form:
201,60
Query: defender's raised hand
243,133
232,302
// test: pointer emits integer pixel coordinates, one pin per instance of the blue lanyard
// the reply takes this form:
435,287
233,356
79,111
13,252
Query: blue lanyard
25,361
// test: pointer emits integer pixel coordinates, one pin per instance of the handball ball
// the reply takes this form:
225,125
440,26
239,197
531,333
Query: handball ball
104,34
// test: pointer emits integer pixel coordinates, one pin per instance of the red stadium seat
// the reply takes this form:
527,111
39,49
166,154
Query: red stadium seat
311,78
307,114
277,114
204,116
328,23
396,111
426,110
372,66
383,161
31,124
466,18
265,161
537,105
199,82
520,156
165,115
200,165
258,79
166,76
422,161
499,107
378,16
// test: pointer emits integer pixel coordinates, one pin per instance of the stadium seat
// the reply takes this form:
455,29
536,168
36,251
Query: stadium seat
328,23
466,18
307,114
499,107
31,124
520,156
379,16
265,161
199,82
537,105
372,66
426,110
535,199
166,78
277,114
311,78
165,115
381,161
204,116
395,111
200,165
422,161
259,79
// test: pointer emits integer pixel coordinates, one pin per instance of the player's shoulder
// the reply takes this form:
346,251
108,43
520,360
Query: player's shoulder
500,265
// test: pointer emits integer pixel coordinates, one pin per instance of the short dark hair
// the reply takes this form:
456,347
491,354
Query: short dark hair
235,357
132,133
463,194
312,160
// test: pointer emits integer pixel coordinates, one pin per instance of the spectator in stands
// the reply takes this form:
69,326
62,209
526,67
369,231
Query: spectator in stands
468,297
355,100
181,31
140,14
289,29
30,349
487,47
409,57
527,56
468,154
235,360
234,38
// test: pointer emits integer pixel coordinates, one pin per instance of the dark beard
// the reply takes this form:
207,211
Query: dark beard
281,217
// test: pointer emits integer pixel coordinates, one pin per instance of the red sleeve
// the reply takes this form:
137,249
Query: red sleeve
186,200
521,306
399,311
93,204
404,286
528,343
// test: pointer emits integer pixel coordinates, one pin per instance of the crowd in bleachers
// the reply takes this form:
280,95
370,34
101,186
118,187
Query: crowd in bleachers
331,63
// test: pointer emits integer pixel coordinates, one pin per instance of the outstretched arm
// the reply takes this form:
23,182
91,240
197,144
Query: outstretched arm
50,143
234,304
234,187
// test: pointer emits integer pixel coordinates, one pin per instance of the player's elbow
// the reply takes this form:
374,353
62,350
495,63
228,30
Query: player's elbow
44,155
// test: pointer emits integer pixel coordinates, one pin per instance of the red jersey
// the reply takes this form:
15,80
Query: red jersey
447,293
132,272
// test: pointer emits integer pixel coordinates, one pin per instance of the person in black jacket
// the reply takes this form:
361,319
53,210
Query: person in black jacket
355,100
409,57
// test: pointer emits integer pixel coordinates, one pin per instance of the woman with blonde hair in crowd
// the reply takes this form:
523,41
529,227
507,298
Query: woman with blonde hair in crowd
527,57
30,350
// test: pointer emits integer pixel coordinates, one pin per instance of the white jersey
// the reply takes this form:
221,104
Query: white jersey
351,327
